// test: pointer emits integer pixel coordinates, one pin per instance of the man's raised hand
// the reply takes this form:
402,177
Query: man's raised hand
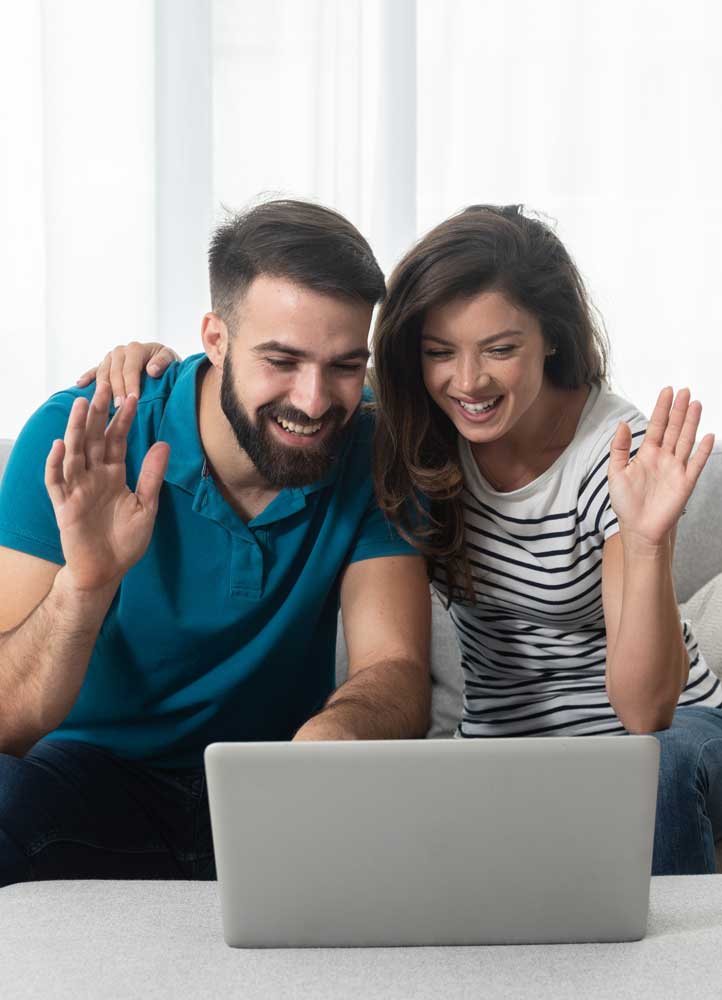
104,527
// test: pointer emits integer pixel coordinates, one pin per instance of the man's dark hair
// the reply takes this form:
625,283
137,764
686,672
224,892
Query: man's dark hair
310,245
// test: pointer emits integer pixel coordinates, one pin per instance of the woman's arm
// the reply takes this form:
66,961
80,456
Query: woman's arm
647,662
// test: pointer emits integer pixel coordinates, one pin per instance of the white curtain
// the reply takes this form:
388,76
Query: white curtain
78,191
128,126
317,99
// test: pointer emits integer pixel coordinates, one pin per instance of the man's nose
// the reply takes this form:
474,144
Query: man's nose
310,394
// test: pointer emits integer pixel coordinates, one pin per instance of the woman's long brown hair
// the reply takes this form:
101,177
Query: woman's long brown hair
417,470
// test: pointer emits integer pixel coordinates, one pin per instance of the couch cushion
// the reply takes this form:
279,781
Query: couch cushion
5,446
446,678
704,611
698,553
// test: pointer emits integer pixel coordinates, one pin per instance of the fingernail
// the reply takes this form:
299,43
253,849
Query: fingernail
118,402
153,368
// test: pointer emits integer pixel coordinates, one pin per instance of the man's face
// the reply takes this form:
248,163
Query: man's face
292,377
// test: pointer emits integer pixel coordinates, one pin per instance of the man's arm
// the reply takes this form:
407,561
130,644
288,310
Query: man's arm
48,631
44,655
386,612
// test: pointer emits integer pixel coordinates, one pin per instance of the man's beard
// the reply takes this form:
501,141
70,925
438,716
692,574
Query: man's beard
281,465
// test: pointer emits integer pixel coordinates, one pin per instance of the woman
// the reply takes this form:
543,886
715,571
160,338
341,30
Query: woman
546,511
551,513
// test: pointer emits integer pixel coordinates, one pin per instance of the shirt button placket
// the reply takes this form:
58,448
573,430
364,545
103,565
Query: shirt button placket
246,567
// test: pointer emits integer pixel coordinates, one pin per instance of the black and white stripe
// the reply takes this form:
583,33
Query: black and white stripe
533,647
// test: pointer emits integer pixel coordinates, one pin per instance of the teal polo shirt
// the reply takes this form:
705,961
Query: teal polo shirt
225,629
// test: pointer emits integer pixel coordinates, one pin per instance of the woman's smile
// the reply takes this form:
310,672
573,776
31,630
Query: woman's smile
480,411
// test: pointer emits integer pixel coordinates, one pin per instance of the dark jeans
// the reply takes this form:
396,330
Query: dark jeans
71,810
689,795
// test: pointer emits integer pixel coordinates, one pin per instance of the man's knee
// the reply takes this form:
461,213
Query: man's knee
14,862
13,782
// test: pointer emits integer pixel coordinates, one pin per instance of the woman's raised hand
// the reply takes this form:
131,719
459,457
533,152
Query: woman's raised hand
649,493
104,527
122,367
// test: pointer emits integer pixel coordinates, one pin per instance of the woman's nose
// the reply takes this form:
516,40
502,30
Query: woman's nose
470,375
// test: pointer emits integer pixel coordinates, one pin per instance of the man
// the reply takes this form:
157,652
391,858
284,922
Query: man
174,577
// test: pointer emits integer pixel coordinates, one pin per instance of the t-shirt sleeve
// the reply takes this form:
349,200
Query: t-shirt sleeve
27,519
377,537
594,502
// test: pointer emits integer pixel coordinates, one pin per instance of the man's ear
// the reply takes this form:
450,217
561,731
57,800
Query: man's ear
214,334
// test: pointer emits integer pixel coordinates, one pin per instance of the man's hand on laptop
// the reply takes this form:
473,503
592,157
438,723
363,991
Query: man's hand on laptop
104,527
122,367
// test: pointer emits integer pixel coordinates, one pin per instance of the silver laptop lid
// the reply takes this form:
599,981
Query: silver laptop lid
433,842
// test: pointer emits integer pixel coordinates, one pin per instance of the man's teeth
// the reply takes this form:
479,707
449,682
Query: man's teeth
305,429
479,407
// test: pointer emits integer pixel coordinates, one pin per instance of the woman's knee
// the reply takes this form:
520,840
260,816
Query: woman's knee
685,746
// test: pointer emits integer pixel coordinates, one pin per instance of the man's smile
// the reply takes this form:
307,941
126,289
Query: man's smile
294,428
299,435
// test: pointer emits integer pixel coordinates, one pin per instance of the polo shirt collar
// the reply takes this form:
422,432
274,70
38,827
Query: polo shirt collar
179,427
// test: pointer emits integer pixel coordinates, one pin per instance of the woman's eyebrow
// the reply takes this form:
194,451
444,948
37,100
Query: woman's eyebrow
487,340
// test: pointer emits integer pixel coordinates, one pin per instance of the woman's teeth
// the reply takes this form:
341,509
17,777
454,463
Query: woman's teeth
479,407
305,429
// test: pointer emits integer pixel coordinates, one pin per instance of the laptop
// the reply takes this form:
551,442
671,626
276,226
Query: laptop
433,842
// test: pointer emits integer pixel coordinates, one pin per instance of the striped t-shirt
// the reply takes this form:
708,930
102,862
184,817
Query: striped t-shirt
533,648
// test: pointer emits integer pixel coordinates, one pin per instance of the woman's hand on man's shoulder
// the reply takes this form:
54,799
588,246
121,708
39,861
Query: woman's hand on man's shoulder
122,367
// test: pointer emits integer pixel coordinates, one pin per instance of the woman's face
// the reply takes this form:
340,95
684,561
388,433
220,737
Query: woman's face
482,360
